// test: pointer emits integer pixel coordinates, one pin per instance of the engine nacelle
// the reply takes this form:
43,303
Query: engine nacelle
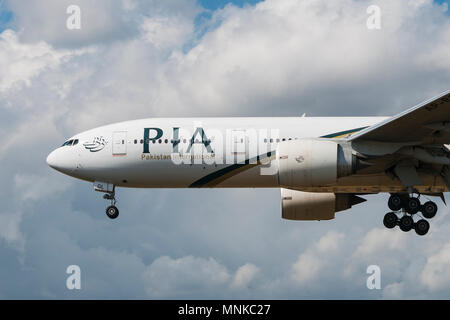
299,205
313,162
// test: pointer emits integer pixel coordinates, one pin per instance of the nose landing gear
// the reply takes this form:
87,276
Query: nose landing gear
409,206
112,212
110,194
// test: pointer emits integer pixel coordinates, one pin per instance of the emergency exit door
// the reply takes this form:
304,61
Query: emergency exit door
119,143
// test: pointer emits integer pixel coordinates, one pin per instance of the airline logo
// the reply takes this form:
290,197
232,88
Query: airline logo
199,136
97,144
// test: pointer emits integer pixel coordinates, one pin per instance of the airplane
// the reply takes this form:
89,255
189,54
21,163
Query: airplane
322,165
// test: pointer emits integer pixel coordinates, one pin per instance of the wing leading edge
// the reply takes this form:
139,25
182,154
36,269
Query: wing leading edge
425,123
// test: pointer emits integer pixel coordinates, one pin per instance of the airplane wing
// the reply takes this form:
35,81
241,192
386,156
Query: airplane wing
425,123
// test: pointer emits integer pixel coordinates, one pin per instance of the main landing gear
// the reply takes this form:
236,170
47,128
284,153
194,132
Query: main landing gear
408,207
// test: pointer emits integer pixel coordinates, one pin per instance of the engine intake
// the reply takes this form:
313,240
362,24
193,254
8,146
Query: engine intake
314,162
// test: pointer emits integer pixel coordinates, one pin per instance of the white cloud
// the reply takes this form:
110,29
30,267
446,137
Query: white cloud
102,21
394,291
184,277
10,229
164,32
21,62
35,187
380,240
435,275
244,276
314,261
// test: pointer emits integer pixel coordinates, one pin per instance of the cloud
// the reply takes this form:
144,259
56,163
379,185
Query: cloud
311,263
244,275
184,277
10,229
102,21
21,62
34,187
381,240
394,291
434,275
191,276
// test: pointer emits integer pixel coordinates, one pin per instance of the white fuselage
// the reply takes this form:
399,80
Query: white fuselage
217,152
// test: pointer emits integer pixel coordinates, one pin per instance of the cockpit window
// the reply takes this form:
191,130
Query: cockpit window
70,143
67,143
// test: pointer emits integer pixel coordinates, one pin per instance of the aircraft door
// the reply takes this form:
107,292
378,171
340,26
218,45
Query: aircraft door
239,146
119,147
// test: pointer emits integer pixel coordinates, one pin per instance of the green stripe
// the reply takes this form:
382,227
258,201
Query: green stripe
341,133
219,173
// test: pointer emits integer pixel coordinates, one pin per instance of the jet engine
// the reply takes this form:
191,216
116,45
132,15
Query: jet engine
299,205
314,162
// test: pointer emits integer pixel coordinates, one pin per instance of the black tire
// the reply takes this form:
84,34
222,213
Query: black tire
395,202
406,223
112,212
390,220
421,227
429,209
412,205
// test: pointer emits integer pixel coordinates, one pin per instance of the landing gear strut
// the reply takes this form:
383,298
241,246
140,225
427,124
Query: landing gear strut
409,206
112,212
110,194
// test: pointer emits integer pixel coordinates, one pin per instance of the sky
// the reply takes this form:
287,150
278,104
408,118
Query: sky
136,59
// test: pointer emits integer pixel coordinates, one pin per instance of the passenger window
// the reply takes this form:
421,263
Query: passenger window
165,141
135,141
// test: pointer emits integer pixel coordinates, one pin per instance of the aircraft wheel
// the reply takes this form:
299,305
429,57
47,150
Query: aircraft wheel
395,202
412,205
112,212
421,227
390,220
406,223
429,209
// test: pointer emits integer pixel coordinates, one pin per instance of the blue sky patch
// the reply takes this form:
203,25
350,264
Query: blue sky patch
219,4
5,17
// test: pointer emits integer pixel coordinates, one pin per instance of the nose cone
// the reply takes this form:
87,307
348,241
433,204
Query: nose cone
51,160
62,160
